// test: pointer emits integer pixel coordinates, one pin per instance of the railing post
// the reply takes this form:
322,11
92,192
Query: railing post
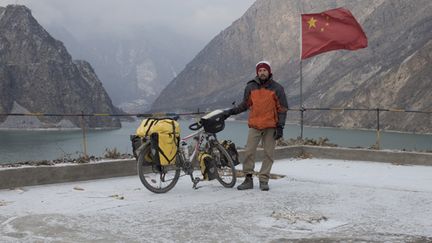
84,134
378,136
197,116
302,109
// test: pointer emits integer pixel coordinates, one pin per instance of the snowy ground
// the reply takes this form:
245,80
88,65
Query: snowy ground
317,201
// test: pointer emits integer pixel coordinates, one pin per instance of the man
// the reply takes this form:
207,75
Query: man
266,100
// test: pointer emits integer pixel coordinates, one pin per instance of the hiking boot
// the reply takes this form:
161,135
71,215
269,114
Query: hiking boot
264,186
247,183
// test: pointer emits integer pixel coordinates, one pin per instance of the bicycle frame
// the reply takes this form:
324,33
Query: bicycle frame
199,136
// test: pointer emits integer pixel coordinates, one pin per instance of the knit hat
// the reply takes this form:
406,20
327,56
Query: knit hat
263,64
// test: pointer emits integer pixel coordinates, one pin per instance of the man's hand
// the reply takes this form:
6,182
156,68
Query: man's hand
226,113
278,133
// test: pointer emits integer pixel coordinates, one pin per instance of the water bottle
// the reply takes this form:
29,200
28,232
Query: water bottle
185,150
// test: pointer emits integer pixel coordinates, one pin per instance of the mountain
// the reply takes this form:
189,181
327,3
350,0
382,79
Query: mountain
135,66
38,75
393,72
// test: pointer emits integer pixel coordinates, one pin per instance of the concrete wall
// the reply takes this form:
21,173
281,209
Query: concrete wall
28,176
395,157
38,175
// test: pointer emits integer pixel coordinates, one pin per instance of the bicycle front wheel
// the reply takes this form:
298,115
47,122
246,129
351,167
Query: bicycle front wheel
156,178
225,166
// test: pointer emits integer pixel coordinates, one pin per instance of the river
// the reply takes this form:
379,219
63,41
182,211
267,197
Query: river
47,145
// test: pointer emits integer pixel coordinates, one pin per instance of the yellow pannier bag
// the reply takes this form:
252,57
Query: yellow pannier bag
164,135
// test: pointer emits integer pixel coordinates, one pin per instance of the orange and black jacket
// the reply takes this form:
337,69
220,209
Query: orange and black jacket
267,104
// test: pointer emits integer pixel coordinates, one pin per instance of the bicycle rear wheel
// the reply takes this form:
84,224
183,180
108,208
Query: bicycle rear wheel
156,178
225,166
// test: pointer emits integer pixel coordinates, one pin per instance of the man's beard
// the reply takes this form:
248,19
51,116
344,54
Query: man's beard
263,77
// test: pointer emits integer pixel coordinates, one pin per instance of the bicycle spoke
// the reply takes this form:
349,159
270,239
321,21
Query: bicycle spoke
224,164
155,178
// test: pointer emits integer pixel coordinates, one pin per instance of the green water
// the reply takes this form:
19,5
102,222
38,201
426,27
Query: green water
39,145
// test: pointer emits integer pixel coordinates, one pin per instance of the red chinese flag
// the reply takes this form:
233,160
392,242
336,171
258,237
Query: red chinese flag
331,30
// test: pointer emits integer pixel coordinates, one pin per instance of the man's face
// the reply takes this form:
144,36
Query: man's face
263,74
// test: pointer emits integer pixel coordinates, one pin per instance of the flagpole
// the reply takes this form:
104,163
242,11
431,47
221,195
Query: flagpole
301,81
301,98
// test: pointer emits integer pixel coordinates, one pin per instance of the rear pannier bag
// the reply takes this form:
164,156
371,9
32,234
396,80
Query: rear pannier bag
136,143
207,166
164,136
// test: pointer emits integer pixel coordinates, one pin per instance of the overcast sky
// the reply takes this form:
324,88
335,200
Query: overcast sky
202,19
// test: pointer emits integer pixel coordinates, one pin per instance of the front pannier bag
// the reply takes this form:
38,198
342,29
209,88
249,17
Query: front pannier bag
207,166
164,135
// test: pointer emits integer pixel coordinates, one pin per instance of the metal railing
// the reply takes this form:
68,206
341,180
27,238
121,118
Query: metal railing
82,120
376,110
302,111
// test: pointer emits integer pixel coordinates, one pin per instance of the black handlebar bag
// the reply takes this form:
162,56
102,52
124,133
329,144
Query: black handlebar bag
213,122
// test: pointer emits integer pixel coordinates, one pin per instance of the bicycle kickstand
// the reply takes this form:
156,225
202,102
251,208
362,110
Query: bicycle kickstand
195,181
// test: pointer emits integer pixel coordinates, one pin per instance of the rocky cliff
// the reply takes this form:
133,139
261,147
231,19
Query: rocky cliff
38,75
393,72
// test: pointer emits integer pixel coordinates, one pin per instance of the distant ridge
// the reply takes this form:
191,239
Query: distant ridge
37,74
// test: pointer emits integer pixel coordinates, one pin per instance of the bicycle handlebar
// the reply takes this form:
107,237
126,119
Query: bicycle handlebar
195,126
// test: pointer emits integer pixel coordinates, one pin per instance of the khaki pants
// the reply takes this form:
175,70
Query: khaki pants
268,141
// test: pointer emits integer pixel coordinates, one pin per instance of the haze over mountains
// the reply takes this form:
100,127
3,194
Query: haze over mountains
135,46
133,68
37,74
393,72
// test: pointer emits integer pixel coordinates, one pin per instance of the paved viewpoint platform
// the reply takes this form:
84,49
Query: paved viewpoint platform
318,200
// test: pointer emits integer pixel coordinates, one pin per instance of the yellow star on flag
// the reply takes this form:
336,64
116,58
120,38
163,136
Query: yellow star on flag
312,22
